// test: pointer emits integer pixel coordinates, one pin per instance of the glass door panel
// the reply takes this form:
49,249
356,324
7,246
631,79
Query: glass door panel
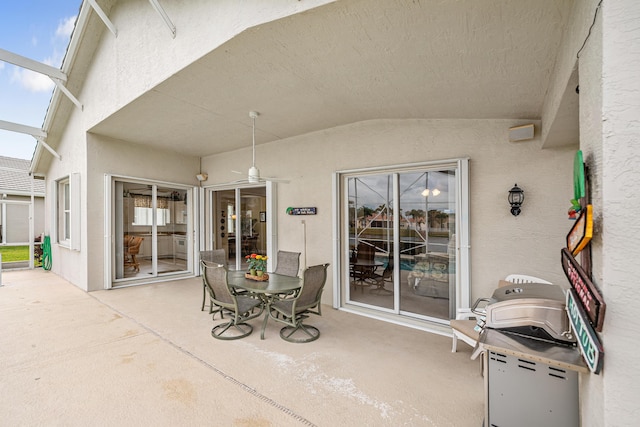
133,210
427,204
150,230
240,215
401,236
371,237
171,230
253,208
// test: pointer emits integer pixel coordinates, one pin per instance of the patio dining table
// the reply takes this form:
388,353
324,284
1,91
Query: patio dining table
277,284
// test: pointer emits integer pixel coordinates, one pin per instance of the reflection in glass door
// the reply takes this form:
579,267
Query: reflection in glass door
151,226
401,235
240,215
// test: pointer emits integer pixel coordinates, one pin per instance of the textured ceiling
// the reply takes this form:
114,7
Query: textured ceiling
351,61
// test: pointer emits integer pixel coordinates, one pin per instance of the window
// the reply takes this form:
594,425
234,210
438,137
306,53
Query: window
67,210
144,216
64,211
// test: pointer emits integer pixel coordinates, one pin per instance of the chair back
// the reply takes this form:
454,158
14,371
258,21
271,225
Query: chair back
134,244
388,270
366,252
216,256
215,279
312,286
288,263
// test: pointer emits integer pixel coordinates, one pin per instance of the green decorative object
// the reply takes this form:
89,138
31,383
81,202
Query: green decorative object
578,176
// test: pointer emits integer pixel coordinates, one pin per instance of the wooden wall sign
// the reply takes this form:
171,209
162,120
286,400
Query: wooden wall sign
581,232
588,342
586,292
301,211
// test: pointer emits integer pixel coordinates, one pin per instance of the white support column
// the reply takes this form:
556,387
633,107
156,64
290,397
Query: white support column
103,16
67,93
156,5
53,73
29,130
31,223
49,149
32,65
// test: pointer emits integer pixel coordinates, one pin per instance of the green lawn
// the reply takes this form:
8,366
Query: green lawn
15,253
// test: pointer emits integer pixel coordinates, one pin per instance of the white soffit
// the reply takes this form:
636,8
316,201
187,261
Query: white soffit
352,61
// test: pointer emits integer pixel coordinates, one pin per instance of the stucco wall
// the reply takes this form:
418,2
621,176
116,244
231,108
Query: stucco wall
500,243
618,191
70,264
108,156
202,27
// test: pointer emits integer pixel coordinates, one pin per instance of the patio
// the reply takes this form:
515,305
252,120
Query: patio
144,355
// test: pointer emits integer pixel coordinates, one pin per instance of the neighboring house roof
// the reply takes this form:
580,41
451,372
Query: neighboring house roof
15,178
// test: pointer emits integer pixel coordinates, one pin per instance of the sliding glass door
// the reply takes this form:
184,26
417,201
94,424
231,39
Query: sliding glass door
240,218
150,230
401,227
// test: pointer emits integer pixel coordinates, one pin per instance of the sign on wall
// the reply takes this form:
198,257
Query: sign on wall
588,342
301,211
581,232
586,292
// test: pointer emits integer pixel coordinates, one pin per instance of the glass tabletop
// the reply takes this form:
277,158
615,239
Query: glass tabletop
276,284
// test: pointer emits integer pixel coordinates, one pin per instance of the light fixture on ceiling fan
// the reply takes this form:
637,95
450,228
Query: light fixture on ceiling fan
253,176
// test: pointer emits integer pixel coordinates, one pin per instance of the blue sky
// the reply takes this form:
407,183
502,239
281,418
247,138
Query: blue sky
38,30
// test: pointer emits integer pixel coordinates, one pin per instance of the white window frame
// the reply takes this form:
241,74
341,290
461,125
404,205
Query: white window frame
63,211
67,211
463,278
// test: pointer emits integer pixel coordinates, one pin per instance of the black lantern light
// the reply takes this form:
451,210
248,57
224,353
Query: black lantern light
516,197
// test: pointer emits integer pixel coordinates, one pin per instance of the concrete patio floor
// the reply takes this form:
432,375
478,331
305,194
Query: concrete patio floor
144,356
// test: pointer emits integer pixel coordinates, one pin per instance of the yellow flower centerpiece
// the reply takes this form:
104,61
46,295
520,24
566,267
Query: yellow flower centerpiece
257,266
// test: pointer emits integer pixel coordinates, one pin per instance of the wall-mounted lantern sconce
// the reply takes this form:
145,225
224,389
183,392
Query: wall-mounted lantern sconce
516,197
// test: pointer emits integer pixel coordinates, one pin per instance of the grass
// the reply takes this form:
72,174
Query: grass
15,253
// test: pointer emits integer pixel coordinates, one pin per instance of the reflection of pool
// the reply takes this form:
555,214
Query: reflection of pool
405,264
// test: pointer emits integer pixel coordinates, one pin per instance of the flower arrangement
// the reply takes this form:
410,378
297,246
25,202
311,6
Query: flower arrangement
257,262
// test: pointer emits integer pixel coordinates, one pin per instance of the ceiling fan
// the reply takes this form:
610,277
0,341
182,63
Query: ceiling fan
253,176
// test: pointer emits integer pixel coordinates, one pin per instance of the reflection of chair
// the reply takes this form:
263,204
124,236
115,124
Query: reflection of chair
379,280
463,327
430,275
240,307
297,308
288,263
249,244
364,266
131,249
216,256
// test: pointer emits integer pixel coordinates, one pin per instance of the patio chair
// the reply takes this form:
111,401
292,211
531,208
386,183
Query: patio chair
216,256
380,280
362,269
464,328
239,307
288,263
131,249
293,310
